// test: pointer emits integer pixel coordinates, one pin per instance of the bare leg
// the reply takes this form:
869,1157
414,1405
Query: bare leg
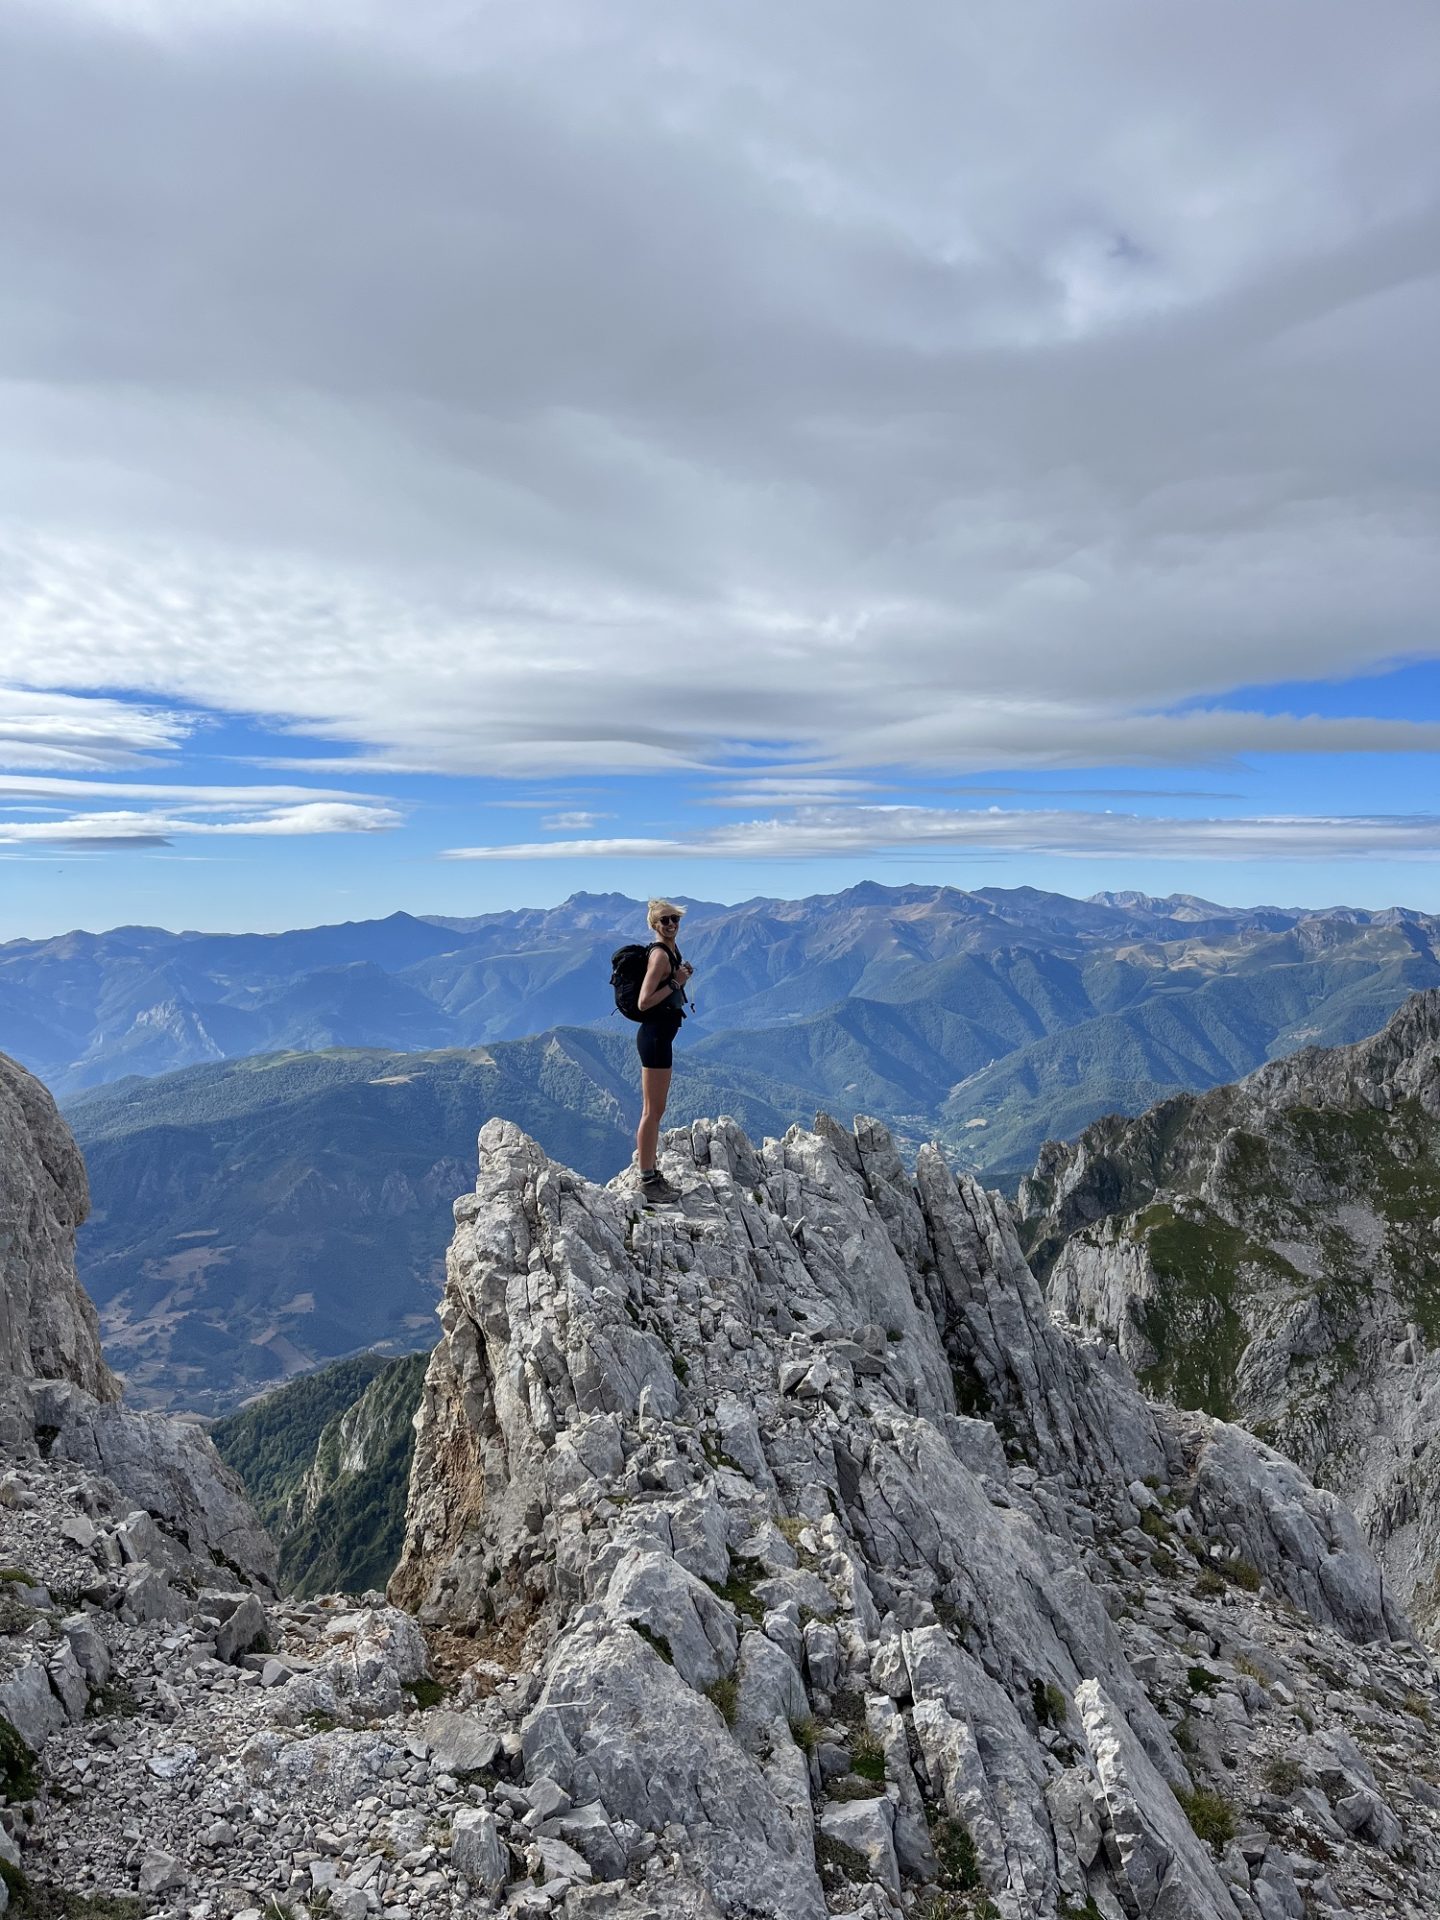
655,1086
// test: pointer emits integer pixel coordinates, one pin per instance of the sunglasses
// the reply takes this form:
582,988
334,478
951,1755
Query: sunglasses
667,919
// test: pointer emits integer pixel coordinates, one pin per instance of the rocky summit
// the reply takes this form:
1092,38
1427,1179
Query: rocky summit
767,1557
1271,1251
840,1580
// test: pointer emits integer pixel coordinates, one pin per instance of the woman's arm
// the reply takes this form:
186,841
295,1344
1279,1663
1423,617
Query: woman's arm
655,987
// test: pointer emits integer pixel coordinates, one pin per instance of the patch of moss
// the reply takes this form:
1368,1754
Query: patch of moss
1202,1680
1419,1706
1212,1817
655,1640
1284,1775
38,1900
1049,1703
113,1699
956,1906
739,1589
19,1773
1193,1321
1240,1573
835,1860
426,1693
717,1455
1208,1585
1155,1526
851,1787
15,1615
724,1696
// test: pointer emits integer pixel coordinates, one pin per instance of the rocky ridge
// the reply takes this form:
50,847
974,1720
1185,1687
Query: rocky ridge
852,1584
772,1556
1271,1250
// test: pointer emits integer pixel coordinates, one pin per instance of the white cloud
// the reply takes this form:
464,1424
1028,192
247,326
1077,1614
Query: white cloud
573,822
75,733
606,391
232,799
133,828
817,832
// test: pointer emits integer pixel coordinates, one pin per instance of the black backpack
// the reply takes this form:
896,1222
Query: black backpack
627,976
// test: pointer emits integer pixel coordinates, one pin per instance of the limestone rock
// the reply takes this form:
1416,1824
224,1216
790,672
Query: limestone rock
1266,1250
817,1423
1168,1873
477,1851
48,1326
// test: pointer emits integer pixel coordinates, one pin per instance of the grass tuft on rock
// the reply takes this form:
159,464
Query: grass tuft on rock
805,1732
19,1771
867,1756
955,1852
724,1695
1212,1817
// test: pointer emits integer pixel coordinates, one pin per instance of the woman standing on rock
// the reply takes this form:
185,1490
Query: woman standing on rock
661,1005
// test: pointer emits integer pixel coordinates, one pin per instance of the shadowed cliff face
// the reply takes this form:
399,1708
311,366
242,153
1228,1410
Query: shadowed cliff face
1271,1252
48,1328
56,1393
843,1572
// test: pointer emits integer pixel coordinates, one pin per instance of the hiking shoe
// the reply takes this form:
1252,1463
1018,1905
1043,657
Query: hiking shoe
658,1192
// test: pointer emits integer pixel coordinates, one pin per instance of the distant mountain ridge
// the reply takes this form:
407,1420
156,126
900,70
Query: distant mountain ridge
259,1213
85,1009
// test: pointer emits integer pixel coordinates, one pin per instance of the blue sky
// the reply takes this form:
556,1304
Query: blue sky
736,454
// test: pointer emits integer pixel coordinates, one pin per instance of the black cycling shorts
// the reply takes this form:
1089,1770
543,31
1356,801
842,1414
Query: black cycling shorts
654,1041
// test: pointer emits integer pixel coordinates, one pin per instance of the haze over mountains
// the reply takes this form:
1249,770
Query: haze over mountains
275,1153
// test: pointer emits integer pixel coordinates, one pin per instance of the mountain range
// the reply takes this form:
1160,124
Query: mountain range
1012,1013
259,1215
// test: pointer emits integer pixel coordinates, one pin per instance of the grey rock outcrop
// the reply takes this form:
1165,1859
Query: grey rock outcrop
48,1327
56,1393
1271,1251
800,1478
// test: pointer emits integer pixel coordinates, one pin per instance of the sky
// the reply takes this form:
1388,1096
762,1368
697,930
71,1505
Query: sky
457,455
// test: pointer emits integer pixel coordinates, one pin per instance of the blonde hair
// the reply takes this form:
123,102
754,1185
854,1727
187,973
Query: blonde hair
656,907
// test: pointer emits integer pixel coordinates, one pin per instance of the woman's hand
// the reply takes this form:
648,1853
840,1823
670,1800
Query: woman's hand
684,972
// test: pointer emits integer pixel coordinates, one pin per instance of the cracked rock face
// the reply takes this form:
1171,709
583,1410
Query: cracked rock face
56,1393
1271,1251
48,1326
850,1579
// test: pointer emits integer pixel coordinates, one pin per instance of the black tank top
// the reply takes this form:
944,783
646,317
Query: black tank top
674,1007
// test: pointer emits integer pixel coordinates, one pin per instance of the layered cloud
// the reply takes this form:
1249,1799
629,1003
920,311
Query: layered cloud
812,832
566,388
36,811
75,733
